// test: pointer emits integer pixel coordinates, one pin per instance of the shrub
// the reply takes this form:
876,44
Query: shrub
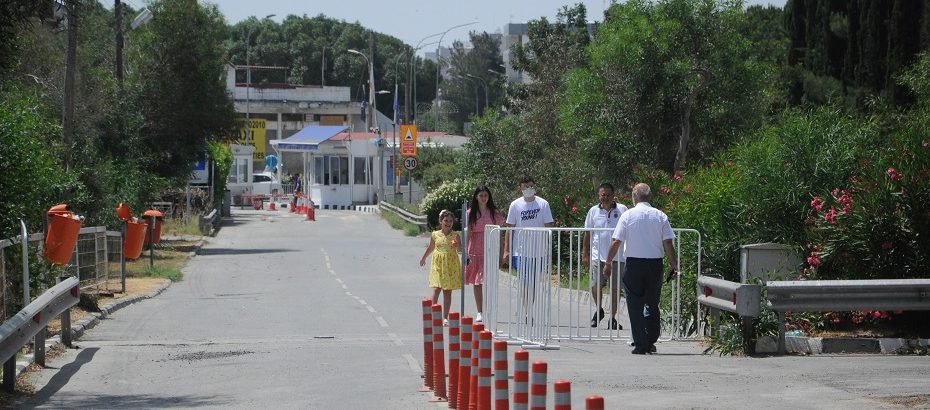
449,195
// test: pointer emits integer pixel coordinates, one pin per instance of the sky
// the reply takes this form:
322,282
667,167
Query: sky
412,20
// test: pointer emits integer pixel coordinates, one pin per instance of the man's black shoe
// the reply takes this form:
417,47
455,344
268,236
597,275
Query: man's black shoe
638,351
652,348
614,325
597,317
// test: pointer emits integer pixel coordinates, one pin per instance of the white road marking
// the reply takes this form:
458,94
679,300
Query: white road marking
381,321
362,301
397,341
339,280
370,309
413,363
344,286
356,297
349,293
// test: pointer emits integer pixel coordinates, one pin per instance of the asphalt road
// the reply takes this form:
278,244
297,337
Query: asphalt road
280,312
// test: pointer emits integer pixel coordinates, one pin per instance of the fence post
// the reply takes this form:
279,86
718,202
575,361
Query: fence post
122,259
25,243
39,347
9,374
65,323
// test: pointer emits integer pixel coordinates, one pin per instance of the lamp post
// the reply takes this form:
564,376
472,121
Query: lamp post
469,79
371,87
248,83
413,56
485,84
323,69
438,60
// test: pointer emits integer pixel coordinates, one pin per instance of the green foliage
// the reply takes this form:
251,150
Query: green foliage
222,161
652,63
174,274
179,86
397,222
449,195
462,86
437,165
32,179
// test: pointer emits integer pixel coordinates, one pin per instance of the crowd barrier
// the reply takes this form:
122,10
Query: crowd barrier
543,294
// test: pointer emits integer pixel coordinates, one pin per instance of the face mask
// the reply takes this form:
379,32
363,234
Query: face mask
529,192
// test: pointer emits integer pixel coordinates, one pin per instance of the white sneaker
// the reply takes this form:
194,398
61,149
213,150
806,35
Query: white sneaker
445,322
478,318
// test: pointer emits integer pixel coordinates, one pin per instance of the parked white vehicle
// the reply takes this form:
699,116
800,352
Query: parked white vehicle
266,183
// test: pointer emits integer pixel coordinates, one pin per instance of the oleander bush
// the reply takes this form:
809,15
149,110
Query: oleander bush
449,195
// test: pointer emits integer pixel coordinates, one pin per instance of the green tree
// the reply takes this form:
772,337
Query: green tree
667,81
180,88
471,83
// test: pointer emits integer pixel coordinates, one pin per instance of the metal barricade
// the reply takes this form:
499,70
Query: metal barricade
559,305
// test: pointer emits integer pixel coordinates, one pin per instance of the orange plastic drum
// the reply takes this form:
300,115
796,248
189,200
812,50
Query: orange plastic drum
61,238
159,218
123,212
135,237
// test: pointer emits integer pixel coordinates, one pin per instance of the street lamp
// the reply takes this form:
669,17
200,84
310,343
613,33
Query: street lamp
485,88
413,56
438,48
371,87
248,83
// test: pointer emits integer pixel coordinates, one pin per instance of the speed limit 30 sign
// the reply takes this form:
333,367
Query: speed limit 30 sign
410,163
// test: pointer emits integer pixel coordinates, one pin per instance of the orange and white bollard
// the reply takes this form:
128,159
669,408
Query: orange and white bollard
439,365
464,364
476,330
501,401
538,386
427,345
272,206
563,395
484,370
453,359
594,403
311,211
521,379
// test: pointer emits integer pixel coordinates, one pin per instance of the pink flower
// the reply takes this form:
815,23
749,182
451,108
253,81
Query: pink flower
665,190
574,209
817,203
677,176
846,201
830,216
894,175
876,314
925,144
836,192
886,246
814,259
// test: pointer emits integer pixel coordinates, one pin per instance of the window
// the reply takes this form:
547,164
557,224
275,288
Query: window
238,171
261,178
338,170
318,174
361,171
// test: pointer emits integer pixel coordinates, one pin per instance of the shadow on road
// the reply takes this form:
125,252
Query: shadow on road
235,251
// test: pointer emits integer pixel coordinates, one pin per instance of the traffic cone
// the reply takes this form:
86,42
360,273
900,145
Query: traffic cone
439,365
538,386
501,401
427,305
271,206
521,378
484,370
464,363
453,359
594,403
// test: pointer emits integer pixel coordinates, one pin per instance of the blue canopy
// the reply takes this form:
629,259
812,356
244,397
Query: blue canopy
309,138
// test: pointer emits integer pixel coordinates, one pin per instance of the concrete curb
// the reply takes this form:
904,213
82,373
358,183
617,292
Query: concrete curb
845,345
89,322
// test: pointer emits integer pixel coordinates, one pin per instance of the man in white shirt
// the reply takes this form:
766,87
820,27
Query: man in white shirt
604,215
528,211
644,233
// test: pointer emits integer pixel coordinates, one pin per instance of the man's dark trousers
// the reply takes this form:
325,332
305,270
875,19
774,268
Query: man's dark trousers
643,285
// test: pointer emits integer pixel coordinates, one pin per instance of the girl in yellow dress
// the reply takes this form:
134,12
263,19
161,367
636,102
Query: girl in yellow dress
445,272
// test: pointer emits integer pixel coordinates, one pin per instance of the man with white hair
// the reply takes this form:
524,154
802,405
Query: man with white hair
644,232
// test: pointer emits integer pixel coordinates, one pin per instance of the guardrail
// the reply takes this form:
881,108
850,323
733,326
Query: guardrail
845,295
418,220
209,222
30,323
739,298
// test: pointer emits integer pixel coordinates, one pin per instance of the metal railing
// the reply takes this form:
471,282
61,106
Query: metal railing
845,295
563,306
418,220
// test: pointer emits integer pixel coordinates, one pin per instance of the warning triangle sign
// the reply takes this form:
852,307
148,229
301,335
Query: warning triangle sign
409,136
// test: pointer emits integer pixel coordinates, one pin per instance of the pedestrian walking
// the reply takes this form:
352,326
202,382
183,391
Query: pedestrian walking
528,211
644,233
445,272
595,247
481,212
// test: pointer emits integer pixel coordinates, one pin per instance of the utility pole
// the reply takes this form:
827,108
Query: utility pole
118,9
70,64
323,69
371,80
